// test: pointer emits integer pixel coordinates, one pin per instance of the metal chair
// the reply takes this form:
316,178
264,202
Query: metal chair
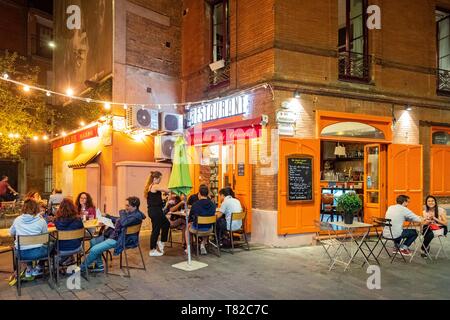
211,232
386,223
41,239
66,236
130,230
441,238
241,231
329,240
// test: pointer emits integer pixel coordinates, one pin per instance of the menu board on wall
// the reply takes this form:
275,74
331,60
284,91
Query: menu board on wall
300,178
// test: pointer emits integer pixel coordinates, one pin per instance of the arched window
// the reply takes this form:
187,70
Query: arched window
441,137
352,130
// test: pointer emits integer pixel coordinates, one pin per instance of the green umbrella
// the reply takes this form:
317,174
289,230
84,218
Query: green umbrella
180,179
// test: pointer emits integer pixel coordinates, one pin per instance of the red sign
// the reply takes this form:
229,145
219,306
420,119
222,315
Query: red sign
75,137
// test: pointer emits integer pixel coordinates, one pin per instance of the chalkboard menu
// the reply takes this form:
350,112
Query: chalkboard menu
300,178
241,169
440,137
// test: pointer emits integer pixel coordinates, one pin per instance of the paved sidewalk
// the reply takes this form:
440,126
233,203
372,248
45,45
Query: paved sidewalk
262,273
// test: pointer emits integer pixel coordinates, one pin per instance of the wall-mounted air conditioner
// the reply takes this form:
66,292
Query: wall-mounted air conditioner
171,122
142,118
164,147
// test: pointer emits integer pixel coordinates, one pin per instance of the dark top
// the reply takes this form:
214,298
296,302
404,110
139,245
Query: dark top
124,220
202,208
68,225
154,199
192,199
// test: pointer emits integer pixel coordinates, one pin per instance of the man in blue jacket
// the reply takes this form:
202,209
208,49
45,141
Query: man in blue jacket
115,238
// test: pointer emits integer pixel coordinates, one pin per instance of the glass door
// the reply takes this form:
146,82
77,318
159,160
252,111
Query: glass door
374,184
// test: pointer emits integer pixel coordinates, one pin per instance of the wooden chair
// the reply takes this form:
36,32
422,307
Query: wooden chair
41,239
65,236
328,206
130,230
211,232
241,232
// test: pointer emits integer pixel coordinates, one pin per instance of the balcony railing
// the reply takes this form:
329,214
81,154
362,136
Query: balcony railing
219,76
443,81
354,66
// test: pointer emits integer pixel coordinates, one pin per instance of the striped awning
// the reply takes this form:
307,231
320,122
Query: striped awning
83,159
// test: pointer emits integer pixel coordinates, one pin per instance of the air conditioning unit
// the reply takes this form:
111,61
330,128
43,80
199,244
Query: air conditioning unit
142,118
164,146
171,122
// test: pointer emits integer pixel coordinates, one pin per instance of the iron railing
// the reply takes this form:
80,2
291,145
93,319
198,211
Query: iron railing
443,81
354,66
219,76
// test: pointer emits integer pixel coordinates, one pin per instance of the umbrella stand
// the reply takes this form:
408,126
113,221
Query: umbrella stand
189,265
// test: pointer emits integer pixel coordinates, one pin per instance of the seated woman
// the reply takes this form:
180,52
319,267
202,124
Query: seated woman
30,223
174,204
435,222
67,219
85,205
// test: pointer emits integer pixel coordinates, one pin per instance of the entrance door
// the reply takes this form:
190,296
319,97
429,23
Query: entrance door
242,178
405,174
296,217
374,181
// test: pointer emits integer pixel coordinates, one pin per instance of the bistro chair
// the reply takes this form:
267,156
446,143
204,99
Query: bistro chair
66,236
442,238
130,230
327,237
211,232
383,240
41,239
241,231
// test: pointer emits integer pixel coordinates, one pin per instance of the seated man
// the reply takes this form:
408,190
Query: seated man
229,206
7,193
204,207
115,237
398,214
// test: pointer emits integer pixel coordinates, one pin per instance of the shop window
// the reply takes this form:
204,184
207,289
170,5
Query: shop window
352,130
220,37
441,138
443,51
354,61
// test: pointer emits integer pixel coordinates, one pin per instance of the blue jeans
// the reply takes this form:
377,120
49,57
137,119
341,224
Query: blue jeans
410,236
33,254
99,245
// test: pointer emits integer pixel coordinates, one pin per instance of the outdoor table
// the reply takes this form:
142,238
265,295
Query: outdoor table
178,213
420,238
350,229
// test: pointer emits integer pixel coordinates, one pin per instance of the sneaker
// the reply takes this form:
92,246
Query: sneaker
29,274
160,246
155,253
99,268
203,249
37,271
395,250
405,252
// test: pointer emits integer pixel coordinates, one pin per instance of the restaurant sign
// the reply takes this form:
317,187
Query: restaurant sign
77,136
217,110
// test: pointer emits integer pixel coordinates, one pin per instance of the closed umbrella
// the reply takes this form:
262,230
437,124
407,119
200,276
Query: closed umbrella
180,183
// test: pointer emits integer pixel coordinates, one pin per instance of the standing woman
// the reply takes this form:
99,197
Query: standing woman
435,220
160,224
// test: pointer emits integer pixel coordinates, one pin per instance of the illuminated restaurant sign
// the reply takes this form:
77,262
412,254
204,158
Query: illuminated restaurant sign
217,110
75,137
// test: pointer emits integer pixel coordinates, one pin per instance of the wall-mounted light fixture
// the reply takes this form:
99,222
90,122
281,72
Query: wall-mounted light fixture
408,107
297,94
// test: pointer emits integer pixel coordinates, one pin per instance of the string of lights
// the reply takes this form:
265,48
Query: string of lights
108,104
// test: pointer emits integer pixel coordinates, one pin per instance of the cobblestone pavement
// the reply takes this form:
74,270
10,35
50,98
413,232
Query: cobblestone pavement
262,273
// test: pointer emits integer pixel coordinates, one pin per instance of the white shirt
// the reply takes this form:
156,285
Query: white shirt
398,214
231,205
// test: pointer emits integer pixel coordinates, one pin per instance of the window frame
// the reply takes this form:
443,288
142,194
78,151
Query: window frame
225,29
349,46
440,92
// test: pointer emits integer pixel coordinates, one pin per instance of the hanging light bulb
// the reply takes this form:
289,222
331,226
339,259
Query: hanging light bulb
69,92
48,94
45,138
5,76
88,100
63,133
125,107
26,88
82,123
107,106
35,138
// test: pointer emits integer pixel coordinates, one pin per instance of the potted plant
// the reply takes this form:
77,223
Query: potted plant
349,204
